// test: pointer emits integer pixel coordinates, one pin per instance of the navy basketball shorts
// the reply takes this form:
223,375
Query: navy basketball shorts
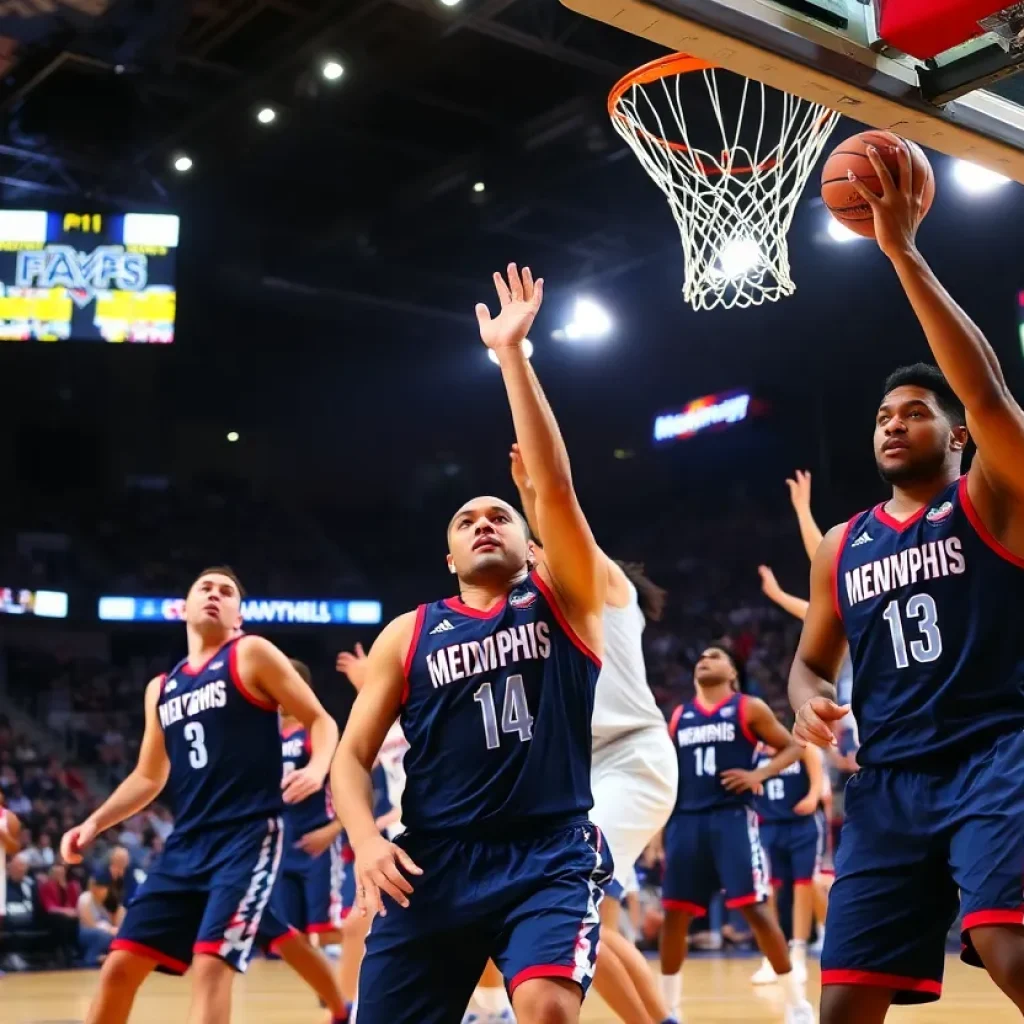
794,849
706,852
531,905
308,890
208,893
912,841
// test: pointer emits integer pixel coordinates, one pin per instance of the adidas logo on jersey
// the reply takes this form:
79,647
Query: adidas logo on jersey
864,538
444,626
216,665
172,685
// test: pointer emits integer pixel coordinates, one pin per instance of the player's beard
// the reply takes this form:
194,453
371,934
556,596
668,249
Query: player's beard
921,468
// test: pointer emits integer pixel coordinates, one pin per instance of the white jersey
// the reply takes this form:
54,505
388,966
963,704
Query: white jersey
392,760
623,702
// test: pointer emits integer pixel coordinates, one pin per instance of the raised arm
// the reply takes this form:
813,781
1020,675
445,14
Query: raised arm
994,419
796,606
274,676
572,557
139,789
820,653
375,709
800,495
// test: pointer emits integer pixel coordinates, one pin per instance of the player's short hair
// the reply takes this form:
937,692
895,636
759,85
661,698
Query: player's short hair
222,570
519,515
652,597
303,669
737,662
929,377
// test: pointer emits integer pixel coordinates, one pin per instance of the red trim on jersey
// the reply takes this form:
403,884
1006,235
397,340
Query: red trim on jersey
190,671
456,605
981,529
163,683
138,949
209,948
298,727
874,979
541,971
803,881
835,568
417,630
266,705
744,724
321,927
777,883
549,596
899,525
983,917
827,872
693,909
674,720
744,901
704,710
345,911
292,933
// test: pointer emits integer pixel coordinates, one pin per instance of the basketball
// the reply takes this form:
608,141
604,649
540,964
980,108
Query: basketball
843,200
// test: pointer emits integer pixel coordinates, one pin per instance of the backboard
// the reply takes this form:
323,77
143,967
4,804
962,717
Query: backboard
963,101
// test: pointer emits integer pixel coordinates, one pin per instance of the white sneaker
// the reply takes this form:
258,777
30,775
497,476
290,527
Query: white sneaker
800,970
800,1013
765,974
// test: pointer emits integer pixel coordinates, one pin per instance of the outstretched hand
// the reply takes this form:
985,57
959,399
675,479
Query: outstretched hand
520,300
353,665
898,211
800,490
769,584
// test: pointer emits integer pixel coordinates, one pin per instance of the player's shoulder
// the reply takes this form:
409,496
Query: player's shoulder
401,633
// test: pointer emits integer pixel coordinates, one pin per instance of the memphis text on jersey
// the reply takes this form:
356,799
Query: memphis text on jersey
212,695
712,732
927,561
507,646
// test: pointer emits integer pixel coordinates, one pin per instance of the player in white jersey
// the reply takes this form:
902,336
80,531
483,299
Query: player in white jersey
391,758
634,774
10,844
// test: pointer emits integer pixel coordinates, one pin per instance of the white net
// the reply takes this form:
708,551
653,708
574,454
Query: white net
734,184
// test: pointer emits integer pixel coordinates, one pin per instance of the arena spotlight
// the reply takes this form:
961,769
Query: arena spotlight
840,232
975,180
450,3
479,186
332,70
590,321
267,115
738,257
527,351
182,163
232,436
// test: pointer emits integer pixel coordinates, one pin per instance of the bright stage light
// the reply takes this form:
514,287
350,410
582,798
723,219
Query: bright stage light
232,436
479,186
840,232
332,70
739,257
182,164
977,180
267,115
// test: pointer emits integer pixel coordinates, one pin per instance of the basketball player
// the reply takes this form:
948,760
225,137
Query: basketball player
308,892
635,771
711,841
792,828
10,844
212,745
496,689
928,591
390,760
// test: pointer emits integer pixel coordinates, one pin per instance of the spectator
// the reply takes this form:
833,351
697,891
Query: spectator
123,880
97,926
21,905
39,851
59,900
17,801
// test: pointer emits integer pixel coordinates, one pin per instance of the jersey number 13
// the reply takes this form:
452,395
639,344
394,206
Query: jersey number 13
921,609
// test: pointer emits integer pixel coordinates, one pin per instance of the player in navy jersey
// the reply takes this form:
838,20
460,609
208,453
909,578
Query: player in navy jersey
928,590
792,828
308,892
711,841
212,746
495,689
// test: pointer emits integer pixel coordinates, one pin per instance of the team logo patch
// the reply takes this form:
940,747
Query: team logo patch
522,598
936,515
727,712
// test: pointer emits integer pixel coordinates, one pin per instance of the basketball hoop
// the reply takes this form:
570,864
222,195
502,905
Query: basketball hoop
733,198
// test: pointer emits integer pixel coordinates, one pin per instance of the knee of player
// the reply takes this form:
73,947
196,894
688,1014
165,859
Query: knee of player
547,1001
123,970
1002,951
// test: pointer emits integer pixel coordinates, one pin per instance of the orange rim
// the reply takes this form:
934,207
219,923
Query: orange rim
655,71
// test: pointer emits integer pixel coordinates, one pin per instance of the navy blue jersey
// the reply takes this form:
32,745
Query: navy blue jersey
933,609
224,746
497,716
315,811
782,792
709,741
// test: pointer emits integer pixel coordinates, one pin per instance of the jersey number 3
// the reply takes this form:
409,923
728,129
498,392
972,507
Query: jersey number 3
515,712
920,607
197,756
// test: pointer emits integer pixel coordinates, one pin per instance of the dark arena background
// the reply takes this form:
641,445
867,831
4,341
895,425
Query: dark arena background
240,248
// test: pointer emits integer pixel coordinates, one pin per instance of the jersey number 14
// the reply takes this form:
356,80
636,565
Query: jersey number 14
921,608
515,712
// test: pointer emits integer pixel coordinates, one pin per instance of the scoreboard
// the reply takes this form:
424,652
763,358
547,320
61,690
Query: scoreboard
87,276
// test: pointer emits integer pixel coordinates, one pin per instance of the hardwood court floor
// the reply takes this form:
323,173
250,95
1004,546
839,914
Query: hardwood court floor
718,991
